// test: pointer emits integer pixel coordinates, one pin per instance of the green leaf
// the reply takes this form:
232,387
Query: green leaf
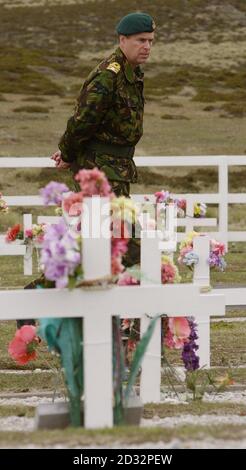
139,354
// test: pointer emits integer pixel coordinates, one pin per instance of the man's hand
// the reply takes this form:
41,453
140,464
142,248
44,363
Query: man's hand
59,162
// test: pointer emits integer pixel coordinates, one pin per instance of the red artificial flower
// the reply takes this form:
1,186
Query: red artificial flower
12,233
23,347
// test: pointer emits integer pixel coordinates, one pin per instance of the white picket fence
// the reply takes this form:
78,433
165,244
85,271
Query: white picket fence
223,198
97,308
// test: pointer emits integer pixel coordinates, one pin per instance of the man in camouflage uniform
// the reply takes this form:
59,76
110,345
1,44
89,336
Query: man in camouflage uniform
108,119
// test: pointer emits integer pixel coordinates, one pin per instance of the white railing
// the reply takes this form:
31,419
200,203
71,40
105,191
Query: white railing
97,308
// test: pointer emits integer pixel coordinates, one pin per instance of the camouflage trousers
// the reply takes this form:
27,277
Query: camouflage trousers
120,188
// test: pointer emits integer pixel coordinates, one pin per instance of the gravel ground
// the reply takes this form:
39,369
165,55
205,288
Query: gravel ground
30,401
166,397
204,420
228,320
174,444
28,424
14,423
236,397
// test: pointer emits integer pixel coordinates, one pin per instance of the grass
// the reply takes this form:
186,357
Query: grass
151,410
31,109
164,410
235,312
34,382
120,436
21,65
17,410
228,343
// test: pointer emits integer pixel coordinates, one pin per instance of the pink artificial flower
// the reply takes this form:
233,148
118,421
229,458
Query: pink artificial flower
28,233
12,233
120,238
168,273
23,347
178,332
127,280
116,265
72,204
40,238
217,247
169,340
93,182
161,196
118,246
181,203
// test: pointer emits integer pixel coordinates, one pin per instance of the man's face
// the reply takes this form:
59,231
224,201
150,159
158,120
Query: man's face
137,47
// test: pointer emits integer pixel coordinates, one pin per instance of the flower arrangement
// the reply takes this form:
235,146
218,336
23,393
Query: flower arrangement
34,235
164,197
23,347
188,258
3,205
61,250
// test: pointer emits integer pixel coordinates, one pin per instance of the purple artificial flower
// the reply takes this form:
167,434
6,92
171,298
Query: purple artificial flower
60,254
217,261
190,359
52,193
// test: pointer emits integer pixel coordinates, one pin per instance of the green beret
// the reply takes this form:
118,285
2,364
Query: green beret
135,23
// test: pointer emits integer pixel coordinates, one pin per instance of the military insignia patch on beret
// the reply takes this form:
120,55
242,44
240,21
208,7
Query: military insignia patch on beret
114,66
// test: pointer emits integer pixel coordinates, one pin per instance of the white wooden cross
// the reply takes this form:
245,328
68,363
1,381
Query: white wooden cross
97,309
151,269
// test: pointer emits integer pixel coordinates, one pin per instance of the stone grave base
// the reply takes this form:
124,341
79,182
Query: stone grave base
56,415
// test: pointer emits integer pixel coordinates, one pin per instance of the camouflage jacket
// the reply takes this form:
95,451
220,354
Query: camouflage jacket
109,111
